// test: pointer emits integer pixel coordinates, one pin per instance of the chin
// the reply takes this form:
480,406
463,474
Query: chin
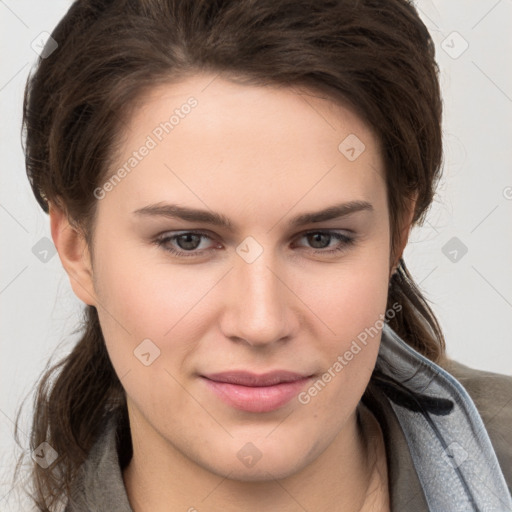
259,473
251,464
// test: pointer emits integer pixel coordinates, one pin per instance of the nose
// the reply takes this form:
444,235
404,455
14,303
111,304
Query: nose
259,305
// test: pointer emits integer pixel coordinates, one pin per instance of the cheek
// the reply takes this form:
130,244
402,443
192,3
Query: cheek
353,306
361,300
148,308
144,297
350,296
354,309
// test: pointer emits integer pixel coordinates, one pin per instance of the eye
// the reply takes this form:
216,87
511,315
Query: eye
320,240
187,242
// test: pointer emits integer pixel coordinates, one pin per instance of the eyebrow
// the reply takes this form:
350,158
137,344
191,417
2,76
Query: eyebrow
175,211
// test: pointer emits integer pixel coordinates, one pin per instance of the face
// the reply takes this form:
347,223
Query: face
238,260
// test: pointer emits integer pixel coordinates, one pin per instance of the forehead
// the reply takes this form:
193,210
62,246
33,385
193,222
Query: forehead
208,140
229,106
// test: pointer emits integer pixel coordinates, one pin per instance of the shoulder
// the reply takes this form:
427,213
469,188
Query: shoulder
492,395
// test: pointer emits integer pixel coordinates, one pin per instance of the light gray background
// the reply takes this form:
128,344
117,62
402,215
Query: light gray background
472,296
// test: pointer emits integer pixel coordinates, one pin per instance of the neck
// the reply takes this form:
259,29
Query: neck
350,475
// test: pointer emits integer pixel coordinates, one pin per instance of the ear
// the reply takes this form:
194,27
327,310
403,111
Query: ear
405,229
74,254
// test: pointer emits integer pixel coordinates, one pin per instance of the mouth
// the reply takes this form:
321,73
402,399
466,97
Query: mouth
256,393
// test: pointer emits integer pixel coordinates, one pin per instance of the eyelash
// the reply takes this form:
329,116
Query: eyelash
162,240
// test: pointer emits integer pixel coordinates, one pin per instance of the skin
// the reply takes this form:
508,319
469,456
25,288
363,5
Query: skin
259,156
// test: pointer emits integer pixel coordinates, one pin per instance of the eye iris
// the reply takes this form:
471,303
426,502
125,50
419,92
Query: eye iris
184,241
316,238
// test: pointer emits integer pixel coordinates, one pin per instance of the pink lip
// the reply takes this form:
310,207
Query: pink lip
256,393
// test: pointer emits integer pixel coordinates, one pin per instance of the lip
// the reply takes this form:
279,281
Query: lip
256,392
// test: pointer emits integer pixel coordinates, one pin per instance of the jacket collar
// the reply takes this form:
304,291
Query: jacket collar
449,451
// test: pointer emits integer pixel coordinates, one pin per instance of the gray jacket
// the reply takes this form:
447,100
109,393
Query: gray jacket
448,435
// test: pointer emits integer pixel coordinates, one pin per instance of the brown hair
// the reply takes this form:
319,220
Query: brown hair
375,55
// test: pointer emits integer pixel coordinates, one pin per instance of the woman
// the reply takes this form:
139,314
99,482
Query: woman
231,186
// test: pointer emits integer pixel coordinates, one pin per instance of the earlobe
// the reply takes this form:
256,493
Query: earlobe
74,255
